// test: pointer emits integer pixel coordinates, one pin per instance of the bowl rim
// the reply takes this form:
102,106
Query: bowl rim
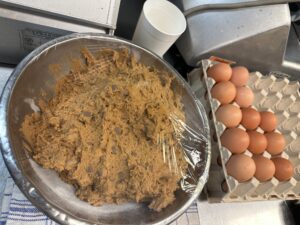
26,187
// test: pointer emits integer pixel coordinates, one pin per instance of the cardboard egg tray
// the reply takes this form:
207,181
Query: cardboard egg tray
272,93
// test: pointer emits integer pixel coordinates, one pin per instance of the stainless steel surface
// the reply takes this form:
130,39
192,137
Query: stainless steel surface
98,12
291,62
23,29
5,72
261,38
255,37
43,187
252,213
191,6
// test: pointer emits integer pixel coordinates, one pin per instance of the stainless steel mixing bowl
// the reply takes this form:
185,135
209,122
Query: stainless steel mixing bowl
43,187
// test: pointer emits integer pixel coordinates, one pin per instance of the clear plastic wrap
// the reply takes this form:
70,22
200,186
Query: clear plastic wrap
56,197
111,124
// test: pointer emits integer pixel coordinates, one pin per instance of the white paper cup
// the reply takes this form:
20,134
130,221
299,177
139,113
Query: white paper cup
159,26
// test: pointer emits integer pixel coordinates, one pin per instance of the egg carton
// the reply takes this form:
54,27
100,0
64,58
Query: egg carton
272,93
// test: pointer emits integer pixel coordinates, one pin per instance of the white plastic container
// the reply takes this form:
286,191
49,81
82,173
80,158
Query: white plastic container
25,25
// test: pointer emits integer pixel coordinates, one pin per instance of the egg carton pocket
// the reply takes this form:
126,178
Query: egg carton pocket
272,93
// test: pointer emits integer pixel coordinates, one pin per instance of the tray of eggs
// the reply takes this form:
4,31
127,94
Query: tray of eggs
255,124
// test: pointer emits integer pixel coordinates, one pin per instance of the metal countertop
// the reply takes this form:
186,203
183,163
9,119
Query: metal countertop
5,72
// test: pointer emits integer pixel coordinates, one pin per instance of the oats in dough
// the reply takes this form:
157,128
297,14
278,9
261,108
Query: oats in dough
107,131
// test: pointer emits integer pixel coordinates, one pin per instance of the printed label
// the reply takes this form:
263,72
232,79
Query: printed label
33,38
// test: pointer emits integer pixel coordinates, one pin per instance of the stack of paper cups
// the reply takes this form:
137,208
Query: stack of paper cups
159,26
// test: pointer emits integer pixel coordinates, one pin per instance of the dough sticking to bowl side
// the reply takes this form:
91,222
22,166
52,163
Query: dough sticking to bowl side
108,131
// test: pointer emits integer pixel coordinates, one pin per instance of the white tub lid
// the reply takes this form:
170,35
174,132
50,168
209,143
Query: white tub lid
97,12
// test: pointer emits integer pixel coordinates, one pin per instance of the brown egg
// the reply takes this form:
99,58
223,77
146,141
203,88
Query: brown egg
284,169
244,97
258,142
240,167
276,143
265,168
224,92
250,118
268,121
229,115
240,76
235,140
220,72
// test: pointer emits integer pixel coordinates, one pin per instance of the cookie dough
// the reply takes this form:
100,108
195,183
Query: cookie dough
108,131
